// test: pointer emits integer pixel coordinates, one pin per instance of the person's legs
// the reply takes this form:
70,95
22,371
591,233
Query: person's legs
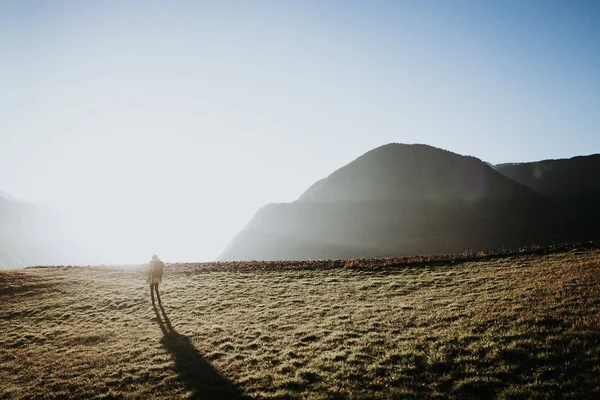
151,292
157,293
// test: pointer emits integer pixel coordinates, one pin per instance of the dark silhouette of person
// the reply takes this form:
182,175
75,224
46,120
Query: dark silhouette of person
155,272
193,369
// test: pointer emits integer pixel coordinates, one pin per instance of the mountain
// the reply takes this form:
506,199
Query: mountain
30,235
413,172
398,200
573,185
573,182
5,196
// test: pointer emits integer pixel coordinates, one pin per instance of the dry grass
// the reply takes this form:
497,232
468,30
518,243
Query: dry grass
516,326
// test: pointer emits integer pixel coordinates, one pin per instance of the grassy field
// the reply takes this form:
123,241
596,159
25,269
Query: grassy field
509,326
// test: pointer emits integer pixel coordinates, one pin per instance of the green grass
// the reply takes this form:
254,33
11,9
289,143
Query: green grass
509,326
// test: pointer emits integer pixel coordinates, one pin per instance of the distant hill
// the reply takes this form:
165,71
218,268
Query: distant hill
573,182
402,199
413,172
572,185
5,196
30,235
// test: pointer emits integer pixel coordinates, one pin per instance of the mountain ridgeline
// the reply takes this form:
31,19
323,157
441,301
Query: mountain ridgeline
395,200
571,185
415,199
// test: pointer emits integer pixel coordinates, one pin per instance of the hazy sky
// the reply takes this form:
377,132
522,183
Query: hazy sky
163,126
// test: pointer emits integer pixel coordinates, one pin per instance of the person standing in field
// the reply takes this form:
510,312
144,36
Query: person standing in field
155,273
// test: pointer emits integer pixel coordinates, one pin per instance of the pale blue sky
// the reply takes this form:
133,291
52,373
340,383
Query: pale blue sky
165,125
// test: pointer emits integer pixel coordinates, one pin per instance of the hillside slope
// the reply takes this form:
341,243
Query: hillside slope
518,326
573,185
31,235
413,172
401,200
567,180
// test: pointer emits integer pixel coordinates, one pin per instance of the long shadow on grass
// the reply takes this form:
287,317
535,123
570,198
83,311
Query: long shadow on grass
195,372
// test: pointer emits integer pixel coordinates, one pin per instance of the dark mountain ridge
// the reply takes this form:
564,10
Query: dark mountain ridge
413,172
571,185
569,182
402,200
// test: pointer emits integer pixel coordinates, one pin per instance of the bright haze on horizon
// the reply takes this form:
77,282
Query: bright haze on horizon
162,127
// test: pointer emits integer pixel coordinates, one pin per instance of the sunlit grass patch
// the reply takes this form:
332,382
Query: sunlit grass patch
520,325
